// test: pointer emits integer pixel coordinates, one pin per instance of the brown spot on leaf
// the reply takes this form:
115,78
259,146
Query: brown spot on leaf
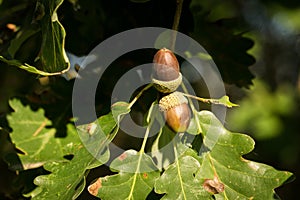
122,156
213,185
94,187
145,175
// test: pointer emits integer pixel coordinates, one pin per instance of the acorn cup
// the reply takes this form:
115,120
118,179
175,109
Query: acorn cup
176,111
166,75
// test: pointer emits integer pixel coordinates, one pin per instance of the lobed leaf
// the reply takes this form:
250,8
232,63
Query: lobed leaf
133,161
135,179
40,147
162,148
125,186
118,109
97,135
179,182
67,178
136,170
222,159
219,170
34,139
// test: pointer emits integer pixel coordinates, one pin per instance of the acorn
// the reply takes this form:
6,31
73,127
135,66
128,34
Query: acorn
176,111
166,75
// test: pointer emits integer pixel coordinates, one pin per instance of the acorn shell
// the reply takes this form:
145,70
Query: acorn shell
176,111
166,66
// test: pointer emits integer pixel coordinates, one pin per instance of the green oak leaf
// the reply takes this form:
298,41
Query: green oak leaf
67,178
194,127
134,162
178,180
40,147
125,186
119,109
222,159
95,138
34,139
225,101
97,135
162,149
28,67
164,40
136,170
52,56
135,180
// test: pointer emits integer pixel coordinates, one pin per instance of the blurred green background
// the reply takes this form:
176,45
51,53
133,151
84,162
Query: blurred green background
255,44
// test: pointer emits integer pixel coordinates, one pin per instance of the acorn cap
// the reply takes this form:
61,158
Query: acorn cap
172,100
167,86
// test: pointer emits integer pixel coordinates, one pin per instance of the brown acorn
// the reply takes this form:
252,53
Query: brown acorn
166,75
176,111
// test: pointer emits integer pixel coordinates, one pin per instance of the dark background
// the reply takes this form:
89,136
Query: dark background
255,44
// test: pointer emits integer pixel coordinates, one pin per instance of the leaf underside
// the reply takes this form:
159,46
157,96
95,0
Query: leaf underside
52,58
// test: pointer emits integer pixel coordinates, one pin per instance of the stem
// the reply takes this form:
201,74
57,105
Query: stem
150,122
186,92
139,95
176,22
214,101
222,101
191,104
199,98
178,169
142,150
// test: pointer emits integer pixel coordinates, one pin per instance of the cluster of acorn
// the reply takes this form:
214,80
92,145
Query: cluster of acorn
166,78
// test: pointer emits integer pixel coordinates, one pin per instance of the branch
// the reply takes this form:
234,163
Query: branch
176,22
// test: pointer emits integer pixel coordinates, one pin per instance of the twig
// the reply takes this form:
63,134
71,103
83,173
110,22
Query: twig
176,22
139,94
